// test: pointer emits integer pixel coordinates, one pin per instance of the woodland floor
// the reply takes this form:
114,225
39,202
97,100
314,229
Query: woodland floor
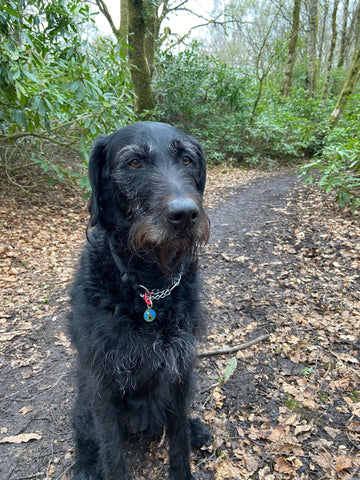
282,268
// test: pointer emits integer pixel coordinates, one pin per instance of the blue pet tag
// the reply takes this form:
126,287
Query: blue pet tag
149,315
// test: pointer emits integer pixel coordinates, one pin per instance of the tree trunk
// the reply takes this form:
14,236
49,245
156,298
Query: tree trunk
348,89
139,67
323,31
312,67
123,30
287,80
152,34
357,27
332,49
343,41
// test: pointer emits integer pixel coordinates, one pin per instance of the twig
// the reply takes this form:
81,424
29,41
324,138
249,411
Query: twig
67,469
29,477
225,351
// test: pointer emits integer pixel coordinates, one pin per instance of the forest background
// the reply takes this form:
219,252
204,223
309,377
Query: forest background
266,82
262,84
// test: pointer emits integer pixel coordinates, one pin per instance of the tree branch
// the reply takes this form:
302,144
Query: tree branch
225,351
104,10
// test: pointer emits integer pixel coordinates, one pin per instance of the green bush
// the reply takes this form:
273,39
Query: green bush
338,165
58,91
205,98
215,102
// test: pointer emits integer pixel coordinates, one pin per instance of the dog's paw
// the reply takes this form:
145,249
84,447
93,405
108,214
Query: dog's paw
199,434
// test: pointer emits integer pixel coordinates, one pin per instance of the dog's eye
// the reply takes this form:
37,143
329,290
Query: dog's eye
186,160
135,163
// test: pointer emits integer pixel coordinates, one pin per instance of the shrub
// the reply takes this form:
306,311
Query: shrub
205,98
338,165
58,91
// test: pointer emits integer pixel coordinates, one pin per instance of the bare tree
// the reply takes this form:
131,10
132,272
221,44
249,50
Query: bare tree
105,11
344,32
295,26
348,88
312,66
332,49
265,55
324,29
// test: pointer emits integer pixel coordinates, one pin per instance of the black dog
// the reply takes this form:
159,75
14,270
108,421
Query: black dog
135,306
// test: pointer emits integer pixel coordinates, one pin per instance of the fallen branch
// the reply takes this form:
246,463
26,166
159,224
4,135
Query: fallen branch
225,351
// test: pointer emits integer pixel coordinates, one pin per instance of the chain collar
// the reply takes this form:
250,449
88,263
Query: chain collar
158,294
148,295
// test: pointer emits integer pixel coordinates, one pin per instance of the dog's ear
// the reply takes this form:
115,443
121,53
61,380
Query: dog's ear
98,176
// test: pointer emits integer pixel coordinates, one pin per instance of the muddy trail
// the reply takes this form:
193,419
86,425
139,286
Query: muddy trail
281,271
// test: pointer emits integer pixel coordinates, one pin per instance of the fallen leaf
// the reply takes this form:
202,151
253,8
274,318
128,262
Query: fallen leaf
276,434
25,410
324,460
343,463
333,432
22,438
293,419
282,466
345,357
217,303
62,339
354,426
251,463
302,428
227,471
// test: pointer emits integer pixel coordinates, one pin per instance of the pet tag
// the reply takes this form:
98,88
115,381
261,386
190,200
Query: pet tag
149,315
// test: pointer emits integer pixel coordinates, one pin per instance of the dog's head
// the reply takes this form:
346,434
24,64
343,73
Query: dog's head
147,183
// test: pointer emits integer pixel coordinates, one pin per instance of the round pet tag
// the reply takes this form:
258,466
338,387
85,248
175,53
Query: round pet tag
149,315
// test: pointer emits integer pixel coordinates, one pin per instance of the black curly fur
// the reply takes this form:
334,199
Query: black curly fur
135,376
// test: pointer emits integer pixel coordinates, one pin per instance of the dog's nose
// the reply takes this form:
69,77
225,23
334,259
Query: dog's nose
182,213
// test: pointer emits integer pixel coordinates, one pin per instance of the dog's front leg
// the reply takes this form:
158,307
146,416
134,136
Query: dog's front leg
110,438
178,432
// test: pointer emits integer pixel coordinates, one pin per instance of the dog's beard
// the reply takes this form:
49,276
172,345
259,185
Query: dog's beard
166,246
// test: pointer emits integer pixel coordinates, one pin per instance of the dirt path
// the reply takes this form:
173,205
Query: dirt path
281,262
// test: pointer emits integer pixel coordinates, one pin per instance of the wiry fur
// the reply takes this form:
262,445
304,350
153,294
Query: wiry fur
134,376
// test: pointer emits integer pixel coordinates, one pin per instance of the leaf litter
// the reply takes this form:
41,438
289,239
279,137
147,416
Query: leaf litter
282,265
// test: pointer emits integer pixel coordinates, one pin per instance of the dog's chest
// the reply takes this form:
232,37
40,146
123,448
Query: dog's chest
154,357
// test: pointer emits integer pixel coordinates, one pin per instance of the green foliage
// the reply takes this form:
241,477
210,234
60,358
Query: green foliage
229,370
215,102
204,97
56,87
286,130
61,87
338,165
307,371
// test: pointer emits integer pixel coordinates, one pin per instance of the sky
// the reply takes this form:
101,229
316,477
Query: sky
179,23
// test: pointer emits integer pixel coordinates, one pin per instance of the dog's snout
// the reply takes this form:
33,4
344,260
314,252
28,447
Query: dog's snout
182,213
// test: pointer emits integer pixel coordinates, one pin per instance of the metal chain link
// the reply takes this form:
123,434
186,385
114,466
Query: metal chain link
159,294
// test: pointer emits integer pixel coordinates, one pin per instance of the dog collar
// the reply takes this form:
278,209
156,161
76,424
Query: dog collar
148,295
157,294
